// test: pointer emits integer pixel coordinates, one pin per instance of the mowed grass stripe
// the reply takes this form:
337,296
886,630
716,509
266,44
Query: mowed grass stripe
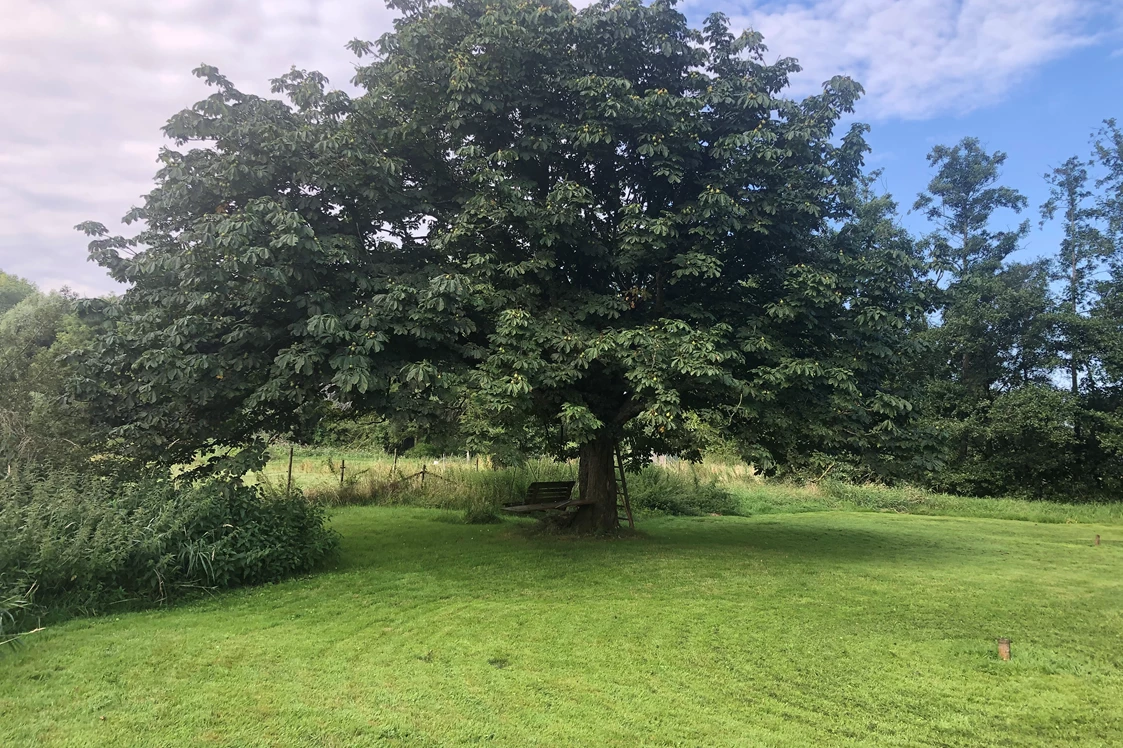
808,629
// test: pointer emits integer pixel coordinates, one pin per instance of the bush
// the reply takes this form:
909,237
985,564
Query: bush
1033,442
679,491
85,542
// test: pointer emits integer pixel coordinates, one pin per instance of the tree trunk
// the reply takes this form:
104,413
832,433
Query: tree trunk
597,483
1074,284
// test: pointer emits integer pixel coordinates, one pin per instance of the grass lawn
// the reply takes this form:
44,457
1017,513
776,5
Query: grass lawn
819,628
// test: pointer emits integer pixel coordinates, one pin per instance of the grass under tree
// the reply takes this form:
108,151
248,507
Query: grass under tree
815,628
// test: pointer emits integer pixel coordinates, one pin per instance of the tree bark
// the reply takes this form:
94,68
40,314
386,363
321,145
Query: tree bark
597,483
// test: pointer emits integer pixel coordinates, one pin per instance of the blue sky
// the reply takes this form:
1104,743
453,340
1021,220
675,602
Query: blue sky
1040,123
88,83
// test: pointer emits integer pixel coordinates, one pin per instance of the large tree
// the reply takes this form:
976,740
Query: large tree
604,221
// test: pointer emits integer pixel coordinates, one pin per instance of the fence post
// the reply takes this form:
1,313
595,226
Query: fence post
288,483
342,467
423,469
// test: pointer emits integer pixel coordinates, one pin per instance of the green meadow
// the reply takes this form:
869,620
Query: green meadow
780,628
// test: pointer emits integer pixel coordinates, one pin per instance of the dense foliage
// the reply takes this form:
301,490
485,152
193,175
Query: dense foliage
13,290
543,231
39,420
601,223
79,542
1020,384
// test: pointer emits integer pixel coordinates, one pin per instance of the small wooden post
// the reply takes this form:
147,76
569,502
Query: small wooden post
395,465
477,463
288,483
423,469
1097,540
342,467
1004,649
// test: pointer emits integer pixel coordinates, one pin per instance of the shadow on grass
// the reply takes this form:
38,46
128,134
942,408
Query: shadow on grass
413,544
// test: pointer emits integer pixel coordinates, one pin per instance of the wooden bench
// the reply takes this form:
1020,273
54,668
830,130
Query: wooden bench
546,496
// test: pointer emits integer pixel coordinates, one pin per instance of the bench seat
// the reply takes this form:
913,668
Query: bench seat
545,496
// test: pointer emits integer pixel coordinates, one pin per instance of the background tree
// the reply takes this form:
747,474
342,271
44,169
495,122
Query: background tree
39,421
1104,396
966,255
961,200
1108,149
534,216
994,331
13,290
1108,307
1082,253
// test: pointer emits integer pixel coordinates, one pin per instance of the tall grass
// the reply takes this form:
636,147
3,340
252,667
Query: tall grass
457,484
673,487
767,497
439,484
77,543
13,612
916,501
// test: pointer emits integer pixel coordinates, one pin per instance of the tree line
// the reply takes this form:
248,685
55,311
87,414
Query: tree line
538,230
1023,378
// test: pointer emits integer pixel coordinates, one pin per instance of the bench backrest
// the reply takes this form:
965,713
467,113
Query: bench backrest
546,491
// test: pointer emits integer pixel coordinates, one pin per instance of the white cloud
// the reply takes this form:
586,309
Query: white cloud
919,58
87,84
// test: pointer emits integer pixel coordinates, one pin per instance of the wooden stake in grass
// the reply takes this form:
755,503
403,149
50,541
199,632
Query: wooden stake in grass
342,467
288,483
1004,649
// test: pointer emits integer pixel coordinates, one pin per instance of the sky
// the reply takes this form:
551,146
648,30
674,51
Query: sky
87,84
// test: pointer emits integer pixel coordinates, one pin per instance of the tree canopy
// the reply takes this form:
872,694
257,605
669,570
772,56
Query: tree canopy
602,221
960,201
